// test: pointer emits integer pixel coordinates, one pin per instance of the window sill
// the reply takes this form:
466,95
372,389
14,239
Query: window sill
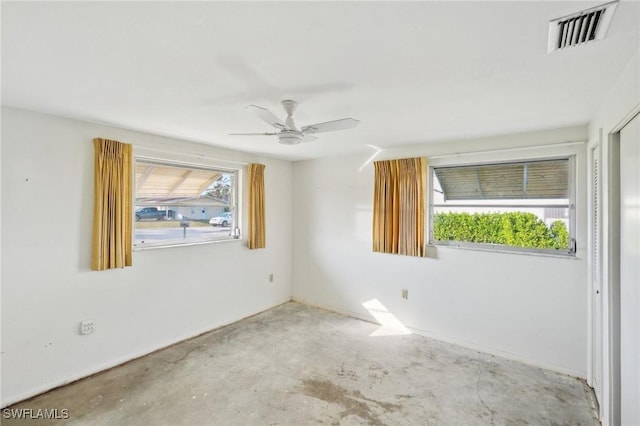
503,250
193,243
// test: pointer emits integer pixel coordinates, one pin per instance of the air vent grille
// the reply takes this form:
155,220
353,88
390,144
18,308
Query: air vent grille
582,27
578,30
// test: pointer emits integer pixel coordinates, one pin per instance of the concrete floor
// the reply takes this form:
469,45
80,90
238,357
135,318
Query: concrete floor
296,365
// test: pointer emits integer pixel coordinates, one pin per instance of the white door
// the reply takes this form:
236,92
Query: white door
630,273
596,276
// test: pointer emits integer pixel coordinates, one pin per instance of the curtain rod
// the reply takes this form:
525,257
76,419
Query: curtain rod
522,148
198,156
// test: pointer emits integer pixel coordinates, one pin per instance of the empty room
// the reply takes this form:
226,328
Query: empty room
320,213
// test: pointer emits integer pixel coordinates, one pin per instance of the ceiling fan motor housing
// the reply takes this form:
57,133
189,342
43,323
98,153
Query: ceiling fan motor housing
290,137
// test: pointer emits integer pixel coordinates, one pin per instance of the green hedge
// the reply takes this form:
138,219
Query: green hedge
517,229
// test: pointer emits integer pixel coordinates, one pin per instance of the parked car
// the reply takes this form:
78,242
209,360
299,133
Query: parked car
153,213
224,219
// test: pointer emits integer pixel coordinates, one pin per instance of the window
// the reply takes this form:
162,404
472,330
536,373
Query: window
184,204
522,206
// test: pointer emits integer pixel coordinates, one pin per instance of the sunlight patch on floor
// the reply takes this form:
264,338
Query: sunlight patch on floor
390,325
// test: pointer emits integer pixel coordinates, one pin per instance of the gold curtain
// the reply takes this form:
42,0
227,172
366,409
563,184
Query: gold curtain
113,205
257,223
398,206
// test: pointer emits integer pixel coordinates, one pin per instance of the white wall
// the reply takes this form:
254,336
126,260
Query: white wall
168,295
618,107
526,307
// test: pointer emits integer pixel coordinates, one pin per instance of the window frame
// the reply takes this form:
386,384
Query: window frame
235,204
495,159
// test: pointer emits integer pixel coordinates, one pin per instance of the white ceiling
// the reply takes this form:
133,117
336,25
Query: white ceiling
412,72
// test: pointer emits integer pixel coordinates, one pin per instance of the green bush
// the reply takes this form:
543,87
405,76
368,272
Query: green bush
560,234
517,229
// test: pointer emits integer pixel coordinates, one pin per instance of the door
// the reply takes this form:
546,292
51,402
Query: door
630,273
596,274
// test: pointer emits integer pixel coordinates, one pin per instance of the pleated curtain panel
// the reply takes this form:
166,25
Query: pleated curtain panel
399,206
113,205
257,222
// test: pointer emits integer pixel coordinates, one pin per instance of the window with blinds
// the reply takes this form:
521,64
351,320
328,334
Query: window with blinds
523,206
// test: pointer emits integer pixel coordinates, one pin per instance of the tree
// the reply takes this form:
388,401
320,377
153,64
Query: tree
221,188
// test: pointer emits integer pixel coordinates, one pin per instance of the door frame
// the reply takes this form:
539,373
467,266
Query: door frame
610,272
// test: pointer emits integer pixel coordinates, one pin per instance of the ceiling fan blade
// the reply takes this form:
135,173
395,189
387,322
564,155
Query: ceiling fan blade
252,134
309,138
267,116
330,126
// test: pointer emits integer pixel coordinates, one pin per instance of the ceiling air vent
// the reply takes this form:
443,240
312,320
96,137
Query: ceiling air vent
582,27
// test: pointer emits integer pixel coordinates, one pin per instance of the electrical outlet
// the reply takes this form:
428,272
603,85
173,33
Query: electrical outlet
405,293
270,278
87,327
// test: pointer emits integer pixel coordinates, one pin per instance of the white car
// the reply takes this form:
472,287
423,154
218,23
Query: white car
224,219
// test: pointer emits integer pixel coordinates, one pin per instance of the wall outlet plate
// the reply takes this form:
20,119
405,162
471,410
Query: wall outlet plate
87,327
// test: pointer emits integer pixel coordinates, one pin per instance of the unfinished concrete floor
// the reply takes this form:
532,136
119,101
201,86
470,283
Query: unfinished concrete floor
296,365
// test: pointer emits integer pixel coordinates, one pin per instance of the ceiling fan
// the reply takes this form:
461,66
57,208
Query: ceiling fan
288,133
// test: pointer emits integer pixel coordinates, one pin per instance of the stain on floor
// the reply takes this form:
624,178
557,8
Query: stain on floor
353,402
